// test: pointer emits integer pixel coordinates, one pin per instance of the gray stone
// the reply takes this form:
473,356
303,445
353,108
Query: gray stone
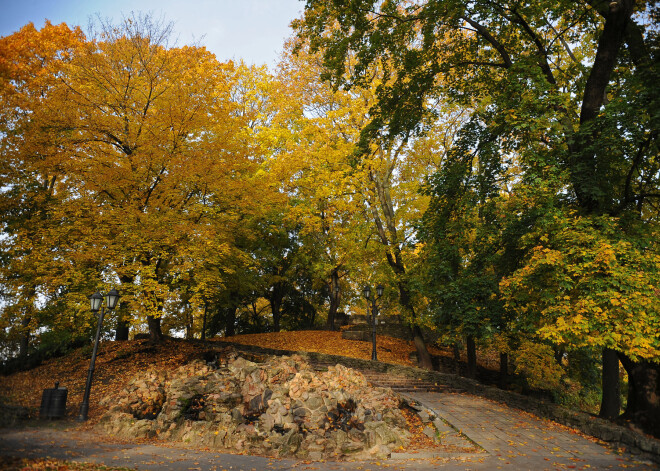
290,443
430,432
340,437
350,447
314,402
379,433
237,416
359,335
301,412
379,452
256,404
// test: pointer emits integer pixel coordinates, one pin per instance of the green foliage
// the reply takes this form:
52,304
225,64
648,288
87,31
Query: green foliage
581,386
52,344
514,67
545,213
535,361
589,282
462,241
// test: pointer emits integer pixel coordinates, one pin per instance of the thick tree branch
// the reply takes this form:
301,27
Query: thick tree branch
542,52
492,40
609,44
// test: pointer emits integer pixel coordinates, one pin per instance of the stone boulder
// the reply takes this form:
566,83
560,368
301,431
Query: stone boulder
280,407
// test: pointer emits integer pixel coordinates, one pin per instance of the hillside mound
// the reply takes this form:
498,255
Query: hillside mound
117,362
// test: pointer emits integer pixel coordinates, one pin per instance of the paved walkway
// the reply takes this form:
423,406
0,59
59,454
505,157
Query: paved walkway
512,439
507,439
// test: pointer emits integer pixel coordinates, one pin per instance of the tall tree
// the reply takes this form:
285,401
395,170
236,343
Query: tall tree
349,202
31,180
558,82
141,155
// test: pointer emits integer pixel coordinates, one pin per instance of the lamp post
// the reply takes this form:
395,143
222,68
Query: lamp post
96,300
366,292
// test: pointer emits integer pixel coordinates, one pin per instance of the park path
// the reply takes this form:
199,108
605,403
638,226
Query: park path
507,438
513,439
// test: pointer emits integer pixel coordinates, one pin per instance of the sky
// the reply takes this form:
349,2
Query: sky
252,30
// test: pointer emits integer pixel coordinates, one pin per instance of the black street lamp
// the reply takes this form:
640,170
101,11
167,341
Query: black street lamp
96,300
366,292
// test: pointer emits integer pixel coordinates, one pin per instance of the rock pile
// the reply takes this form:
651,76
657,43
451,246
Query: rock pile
280,407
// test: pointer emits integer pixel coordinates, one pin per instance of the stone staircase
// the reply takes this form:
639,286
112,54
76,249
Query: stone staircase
402,384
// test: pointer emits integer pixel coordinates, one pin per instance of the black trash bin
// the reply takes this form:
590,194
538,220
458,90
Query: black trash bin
53,403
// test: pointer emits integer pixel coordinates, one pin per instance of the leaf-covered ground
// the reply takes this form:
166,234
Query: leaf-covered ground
118,362
390,350
49,464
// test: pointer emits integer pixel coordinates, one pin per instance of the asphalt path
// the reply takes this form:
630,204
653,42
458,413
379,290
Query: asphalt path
72,443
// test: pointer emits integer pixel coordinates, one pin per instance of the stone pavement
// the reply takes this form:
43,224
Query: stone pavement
508,439
513,439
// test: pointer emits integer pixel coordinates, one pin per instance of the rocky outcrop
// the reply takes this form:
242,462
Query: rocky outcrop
280,407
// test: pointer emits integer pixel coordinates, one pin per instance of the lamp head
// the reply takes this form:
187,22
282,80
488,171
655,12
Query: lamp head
112,298
380,289
95,300
366,291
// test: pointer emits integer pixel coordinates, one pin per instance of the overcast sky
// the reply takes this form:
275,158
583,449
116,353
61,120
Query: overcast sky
252,30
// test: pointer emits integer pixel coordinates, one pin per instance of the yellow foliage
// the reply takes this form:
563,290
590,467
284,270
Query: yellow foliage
536,363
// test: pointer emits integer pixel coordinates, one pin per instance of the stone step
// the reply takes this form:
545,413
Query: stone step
408,387
401,383
396,383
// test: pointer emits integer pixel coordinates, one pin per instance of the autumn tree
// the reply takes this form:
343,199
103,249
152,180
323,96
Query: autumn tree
31,181
144,154
358,208
136,119
314,128
566,88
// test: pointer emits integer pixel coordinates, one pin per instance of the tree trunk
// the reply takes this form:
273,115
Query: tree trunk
155,333
275,304
230,322
190,324
610,406
24,333
390,240
589,186
471,357
334,299
504,369
24,342
203,335
275,297
423,355
643,407
256,319
122,330
504,364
